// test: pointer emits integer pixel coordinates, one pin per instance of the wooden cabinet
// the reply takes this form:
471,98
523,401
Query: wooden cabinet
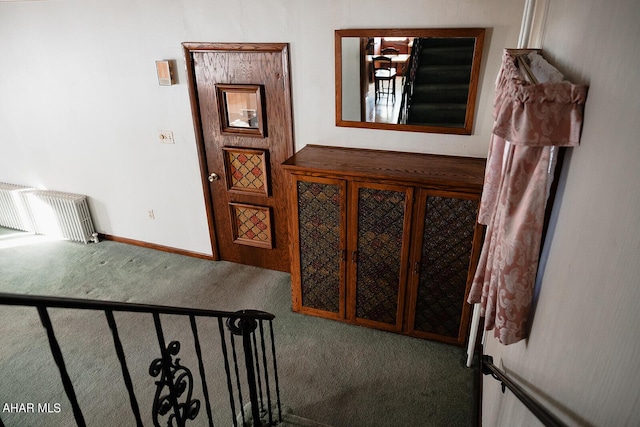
384,239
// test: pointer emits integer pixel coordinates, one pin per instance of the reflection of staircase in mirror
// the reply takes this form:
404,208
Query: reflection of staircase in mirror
441,82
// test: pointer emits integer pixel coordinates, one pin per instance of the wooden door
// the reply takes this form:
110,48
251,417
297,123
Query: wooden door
444,256
241,104
379,233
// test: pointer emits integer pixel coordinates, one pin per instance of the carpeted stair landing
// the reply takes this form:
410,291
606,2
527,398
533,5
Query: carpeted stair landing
332,373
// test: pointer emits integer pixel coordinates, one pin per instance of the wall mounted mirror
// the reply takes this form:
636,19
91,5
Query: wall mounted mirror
419,80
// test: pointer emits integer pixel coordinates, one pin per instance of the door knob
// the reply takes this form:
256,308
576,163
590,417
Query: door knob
213,177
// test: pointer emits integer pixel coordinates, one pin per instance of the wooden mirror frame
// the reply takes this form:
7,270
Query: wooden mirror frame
466,129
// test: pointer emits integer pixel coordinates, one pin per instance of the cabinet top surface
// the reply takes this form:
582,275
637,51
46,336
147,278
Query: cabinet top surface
446,171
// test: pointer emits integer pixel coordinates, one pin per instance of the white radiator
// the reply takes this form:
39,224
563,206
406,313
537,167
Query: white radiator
13,210
64,215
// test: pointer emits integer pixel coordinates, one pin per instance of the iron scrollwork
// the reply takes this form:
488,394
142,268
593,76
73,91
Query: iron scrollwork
240,326
173,390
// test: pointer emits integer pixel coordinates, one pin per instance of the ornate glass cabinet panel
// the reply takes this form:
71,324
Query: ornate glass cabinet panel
380,220
442,261
320,238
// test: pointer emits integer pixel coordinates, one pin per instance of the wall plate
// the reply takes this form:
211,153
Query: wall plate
166,137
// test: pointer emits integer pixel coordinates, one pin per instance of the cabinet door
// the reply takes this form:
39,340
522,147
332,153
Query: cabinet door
319,246
444,256
379,222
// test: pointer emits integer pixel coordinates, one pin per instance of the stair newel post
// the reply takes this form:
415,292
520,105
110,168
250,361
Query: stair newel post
246,326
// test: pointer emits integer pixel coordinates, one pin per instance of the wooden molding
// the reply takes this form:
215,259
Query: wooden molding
156,247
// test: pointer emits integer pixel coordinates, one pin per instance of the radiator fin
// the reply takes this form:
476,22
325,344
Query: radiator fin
48,212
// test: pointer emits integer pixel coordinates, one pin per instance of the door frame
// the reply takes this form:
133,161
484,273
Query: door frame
189,49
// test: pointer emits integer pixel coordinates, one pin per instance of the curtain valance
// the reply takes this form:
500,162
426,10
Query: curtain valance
547,113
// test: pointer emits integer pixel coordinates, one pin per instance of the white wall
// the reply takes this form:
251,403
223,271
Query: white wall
351,79
80,106
584,350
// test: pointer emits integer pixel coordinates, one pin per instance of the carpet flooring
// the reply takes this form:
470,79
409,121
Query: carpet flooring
337,374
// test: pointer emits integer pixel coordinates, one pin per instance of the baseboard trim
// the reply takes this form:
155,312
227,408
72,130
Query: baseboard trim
156,246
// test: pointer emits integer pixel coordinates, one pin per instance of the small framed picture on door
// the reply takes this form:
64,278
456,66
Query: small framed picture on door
241,110
251,225
247,170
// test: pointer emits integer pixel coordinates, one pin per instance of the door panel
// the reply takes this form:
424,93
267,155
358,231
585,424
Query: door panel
245,188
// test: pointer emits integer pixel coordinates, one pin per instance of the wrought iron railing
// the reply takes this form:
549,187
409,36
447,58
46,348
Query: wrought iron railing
546,417
408,82
174,403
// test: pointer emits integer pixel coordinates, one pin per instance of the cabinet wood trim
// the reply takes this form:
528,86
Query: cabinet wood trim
437,172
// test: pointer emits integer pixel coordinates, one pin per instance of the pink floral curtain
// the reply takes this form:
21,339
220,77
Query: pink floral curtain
530,120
